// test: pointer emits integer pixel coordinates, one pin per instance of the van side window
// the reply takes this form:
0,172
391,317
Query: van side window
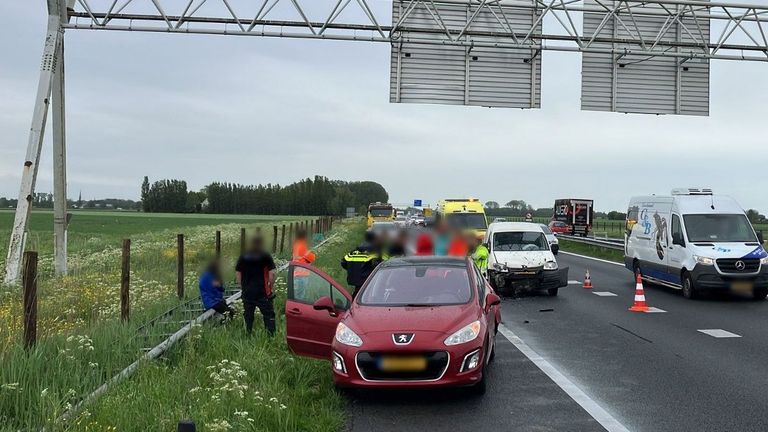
677,231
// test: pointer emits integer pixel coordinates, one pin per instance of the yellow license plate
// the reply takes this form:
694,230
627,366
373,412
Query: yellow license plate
742,286
403,364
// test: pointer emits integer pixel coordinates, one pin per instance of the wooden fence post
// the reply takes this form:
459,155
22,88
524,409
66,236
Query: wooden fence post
242,240
180,265
290,234
218,245
29,281
282,239
125,282
274,239
330,223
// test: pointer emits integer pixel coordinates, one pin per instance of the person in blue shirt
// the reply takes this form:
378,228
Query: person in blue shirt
212,290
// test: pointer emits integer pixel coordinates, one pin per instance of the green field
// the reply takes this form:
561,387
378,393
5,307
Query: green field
81,340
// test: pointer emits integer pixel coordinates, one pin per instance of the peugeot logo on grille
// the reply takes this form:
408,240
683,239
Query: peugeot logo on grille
402,338
740,265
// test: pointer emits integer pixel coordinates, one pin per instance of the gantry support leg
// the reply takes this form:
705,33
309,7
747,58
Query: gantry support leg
59,167
34,145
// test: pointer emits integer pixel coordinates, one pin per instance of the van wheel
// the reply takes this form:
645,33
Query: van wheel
636,269
552,292
689,291
759,293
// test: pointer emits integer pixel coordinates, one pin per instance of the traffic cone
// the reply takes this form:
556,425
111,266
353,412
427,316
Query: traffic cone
639,305
587,281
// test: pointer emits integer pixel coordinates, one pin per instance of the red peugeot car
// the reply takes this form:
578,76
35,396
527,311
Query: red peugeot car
417,322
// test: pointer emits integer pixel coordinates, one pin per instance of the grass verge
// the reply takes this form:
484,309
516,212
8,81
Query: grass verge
224,380
592,251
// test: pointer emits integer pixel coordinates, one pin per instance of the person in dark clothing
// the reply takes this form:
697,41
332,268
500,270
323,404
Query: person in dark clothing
399,245
212,290
361,262
255,272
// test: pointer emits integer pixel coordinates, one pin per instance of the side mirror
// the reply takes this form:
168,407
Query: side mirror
325,303
492,299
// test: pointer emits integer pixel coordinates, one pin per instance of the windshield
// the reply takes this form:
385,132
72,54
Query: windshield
380,212
466,220
545,229
418,285
519,241
719,228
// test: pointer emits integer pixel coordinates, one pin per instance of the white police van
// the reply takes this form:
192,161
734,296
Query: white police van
694,240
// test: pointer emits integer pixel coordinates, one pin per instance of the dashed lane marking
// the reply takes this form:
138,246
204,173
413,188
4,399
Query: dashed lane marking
590,406
719,333
574,283
655,310
604,294
592,258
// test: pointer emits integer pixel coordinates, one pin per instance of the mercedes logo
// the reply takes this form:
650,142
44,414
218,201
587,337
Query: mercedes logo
740,265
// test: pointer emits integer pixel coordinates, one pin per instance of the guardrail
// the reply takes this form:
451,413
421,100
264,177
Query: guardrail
615,244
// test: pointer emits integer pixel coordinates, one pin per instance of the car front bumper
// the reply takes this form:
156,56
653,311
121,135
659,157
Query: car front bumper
531,280
707,278
358,375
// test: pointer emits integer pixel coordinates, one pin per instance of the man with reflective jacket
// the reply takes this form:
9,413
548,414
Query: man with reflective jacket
361,262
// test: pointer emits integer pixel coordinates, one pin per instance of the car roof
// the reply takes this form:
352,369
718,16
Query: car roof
425,260
515,227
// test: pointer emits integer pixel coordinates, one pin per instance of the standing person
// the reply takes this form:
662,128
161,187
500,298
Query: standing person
480,255
399,245
255,272
442,239
302,254
458,246
361,262
424,245
212,290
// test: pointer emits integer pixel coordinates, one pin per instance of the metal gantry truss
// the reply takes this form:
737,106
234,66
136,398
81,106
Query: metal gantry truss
677,29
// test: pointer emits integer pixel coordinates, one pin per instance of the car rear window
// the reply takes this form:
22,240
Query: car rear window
418,285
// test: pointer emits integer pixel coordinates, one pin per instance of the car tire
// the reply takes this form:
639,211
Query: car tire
759,293
689,290
493,349
481,387
553,292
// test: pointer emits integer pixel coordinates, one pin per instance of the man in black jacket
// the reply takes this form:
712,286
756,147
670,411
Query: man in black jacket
255,272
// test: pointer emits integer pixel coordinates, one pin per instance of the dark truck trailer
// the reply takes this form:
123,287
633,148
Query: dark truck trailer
576,213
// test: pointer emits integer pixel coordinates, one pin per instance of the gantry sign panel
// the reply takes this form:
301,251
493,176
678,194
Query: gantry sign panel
626,79
457,74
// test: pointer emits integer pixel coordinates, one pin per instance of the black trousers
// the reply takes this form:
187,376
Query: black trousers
223,308
267,311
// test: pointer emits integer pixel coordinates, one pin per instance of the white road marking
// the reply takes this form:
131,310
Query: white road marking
654,310
590,406
719,333
604,293
592,258
574,283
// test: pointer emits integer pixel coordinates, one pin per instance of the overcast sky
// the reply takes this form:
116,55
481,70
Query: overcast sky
254,110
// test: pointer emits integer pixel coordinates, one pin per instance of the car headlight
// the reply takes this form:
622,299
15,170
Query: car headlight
764,261
704,260
345,335
550,265
466,334
500,267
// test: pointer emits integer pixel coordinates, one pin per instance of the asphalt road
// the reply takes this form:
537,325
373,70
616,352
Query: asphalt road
650,371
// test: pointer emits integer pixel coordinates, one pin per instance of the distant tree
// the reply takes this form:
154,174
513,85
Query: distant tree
616,215
519,207
491,205
145,193
754,216
3,202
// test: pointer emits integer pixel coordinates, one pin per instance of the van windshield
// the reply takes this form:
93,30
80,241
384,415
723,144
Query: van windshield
519,241
719,228
466,220
380,212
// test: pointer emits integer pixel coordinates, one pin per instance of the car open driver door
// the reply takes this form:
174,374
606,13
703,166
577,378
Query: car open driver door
313,309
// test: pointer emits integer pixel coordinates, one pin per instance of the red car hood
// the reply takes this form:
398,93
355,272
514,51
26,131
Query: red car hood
445,319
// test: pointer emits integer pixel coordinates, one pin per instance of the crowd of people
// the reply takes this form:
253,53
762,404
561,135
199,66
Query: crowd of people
255,271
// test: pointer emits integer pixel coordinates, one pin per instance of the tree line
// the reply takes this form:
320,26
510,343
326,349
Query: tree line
317,196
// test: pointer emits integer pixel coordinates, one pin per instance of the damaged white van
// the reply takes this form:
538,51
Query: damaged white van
520,259
694,240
